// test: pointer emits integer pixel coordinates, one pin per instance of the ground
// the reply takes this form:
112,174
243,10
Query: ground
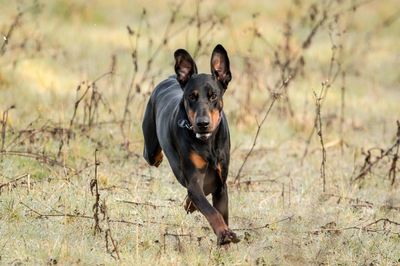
74,81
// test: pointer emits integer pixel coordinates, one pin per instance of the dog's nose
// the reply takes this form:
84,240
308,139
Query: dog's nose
203,122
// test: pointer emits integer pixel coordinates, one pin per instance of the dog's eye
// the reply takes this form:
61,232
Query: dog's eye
213,97
192,97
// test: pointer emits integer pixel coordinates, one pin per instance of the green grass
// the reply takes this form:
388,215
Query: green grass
282,216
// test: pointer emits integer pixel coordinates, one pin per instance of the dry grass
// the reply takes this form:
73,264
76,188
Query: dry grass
78,80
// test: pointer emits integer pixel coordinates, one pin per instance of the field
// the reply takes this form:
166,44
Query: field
313,108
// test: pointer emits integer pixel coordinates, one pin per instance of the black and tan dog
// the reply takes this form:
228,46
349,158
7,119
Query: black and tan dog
184,118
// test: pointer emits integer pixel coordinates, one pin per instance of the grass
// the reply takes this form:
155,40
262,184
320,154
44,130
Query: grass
279,210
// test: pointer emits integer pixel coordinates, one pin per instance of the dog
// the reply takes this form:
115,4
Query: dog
184,119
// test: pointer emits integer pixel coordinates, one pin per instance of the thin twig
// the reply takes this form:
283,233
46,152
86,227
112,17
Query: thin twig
108,234
13,181
318,127
142,204
142,223
342,110
39,157
289,218
96,205
4,122
365,228
369,164
238,175
10,31
356,202
259,126
393,167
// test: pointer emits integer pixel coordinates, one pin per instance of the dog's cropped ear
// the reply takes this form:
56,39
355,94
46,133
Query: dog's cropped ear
185,67
220,65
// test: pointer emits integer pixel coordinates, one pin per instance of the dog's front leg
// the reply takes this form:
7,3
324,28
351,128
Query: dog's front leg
217,222
220,202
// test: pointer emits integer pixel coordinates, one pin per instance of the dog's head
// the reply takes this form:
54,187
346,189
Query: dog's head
202,93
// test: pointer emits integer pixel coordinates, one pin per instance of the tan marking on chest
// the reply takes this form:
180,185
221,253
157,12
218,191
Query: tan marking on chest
197,160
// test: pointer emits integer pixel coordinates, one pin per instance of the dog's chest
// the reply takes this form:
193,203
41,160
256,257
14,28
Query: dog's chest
212,180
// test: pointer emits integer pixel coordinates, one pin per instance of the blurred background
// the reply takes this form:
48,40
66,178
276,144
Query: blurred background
75,77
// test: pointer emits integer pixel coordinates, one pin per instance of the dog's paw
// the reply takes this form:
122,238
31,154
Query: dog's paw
227,236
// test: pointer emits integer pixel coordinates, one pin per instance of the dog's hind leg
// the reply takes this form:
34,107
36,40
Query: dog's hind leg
189,205
152,151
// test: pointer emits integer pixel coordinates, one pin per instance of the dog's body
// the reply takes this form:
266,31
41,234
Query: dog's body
184,119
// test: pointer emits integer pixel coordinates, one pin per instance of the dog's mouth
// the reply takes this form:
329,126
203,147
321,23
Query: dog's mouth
203,136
